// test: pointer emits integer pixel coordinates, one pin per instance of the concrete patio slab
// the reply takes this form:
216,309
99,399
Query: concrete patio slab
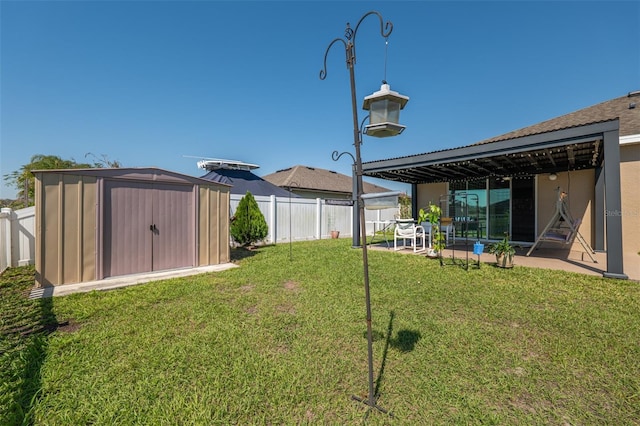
548,258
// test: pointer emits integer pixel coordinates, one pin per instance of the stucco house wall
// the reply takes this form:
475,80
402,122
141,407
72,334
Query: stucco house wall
630,212
431,193
579,185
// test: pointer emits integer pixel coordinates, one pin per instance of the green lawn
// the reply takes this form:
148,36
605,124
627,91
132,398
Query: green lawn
282,340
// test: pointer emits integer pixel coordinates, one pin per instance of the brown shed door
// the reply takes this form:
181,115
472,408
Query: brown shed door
173,245
147,227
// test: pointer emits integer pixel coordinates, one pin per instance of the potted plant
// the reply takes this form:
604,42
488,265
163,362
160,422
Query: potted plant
429,219
504,252
331,222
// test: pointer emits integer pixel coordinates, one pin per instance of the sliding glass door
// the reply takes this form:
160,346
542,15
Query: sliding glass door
499,208
523,209
468,208
494,208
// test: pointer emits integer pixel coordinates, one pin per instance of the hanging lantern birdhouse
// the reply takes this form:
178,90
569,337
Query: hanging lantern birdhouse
384,112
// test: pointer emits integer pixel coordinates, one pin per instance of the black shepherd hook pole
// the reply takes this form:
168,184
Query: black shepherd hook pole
335,156
355,238
349,42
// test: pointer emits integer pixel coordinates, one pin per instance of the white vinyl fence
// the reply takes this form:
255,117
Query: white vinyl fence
17,237
294,219
299,219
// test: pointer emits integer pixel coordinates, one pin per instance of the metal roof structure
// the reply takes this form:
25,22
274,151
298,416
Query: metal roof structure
570,142
568,149
585,139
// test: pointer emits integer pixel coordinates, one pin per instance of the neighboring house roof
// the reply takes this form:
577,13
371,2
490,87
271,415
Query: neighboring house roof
242,181
625,108
316,179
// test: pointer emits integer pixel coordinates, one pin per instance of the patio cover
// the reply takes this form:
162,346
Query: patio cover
589,146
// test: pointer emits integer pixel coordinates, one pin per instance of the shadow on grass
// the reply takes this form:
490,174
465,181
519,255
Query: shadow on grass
404,342
239,253
25,326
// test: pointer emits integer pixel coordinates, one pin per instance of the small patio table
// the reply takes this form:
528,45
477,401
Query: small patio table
385,225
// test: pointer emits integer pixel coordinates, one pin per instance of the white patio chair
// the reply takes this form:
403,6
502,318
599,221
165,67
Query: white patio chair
448,229
408,230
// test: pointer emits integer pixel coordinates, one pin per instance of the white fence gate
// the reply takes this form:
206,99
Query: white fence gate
17,237
294,219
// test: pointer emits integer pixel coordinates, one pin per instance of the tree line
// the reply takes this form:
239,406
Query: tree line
23,179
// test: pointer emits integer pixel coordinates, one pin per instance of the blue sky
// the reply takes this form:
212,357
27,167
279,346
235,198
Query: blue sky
148,82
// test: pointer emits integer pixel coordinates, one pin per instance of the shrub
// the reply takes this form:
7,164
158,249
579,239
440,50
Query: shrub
248,225
405,206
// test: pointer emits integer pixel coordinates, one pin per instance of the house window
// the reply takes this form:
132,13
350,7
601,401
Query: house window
492,208
468,207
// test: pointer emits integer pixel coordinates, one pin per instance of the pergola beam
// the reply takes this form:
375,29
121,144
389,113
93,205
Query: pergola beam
549,155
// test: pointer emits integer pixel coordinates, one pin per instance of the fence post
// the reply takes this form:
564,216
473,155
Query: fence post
5,238
272,219
352,222
319,219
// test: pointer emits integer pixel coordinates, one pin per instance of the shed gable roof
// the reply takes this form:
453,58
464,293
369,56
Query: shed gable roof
135,173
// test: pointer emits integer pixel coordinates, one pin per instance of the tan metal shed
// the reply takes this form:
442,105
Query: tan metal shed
97,223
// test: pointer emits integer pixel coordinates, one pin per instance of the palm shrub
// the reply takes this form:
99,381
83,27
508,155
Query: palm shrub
432,215
248,225
405,206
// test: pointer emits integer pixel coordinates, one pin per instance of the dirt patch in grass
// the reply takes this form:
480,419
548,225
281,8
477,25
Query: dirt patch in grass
69,326
291,286
309,416
46,328
247,288
517,371
286,308
281,349
523,403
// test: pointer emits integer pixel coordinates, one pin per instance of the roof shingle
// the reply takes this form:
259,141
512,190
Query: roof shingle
316,179
623,108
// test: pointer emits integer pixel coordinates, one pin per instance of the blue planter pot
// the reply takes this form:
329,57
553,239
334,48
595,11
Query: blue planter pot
478,248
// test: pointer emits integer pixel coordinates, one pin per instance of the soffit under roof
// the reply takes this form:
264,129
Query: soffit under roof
574,148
